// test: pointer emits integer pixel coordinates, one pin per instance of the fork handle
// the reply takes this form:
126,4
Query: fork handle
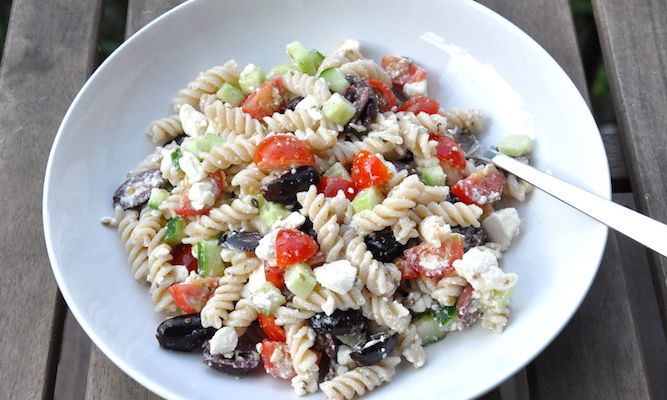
647,231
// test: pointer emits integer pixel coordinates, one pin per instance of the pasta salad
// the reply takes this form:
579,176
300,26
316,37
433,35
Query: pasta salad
319,221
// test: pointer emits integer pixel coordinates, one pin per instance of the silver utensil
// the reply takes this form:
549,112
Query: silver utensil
647,231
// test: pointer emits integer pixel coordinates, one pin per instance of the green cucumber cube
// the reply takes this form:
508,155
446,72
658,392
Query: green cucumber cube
300,279
209,261
251,77
270,212
175,158
516,145
306,60
156,198
281,69
338,109
338,170
367,199
230,94
267,299
175,231
433,176
335,79
202,144
429,329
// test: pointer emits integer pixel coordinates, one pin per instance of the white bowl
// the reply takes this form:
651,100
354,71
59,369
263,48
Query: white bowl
474,59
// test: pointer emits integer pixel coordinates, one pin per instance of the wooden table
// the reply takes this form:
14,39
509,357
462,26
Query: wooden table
614,347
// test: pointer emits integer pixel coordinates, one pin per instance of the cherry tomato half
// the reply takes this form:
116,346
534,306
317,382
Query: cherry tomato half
384,94
368,170
402,70
275,275
266,100
482,187
184,208
182,255
419,104
282,152
435,262
282,368
191,297
293,246
330,185
271,330
449,151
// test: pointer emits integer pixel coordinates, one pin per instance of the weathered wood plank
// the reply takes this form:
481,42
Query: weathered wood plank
49,52
73,363
617,170
105,380
633,35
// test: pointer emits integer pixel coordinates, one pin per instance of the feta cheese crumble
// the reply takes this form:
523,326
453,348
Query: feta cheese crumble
292,221
480,268
338,276
266,249
202,194
193,122
502,226
224,341
192,167
433,229
413,89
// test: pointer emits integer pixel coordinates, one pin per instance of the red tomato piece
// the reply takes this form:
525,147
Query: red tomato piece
293,246
281,152
435,262
402,70
275,275
466,315
184,208
449,151
281,369
191,297
330,185
368,170
271,330
266,100
419,104
182,255
482,187
407,271
384,94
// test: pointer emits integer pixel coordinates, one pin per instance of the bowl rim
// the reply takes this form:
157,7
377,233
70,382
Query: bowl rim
152,385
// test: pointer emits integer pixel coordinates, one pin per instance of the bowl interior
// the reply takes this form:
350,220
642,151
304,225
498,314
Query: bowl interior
474,59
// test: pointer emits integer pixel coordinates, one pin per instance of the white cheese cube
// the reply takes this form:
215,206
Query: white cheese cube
202,194
413,89
502,226
292,221
480,268
224,341
192,167
338,276
193,122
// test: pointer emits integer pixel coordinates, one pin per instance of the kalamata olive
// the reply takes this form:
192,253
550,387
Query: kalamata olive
339,323
179,139
472,236
284,188
467,310
325,343
400,166
408,158
244,359
384,245
246,241
183,333
307,228
291,105
375,349
136,190
363,98
253,334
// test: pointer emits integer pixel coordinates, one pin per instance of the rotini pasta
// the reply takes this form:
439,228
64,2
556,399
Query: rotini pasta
305,85
165,129
367,69
207,82
360,380
222,117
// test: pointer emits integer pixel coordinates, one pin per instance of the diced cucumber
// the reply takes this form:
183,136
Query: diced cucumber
267,299
157,197
175,158
367,199
230,94
281,69
516,145
338,170
270,212
209,261
444,314
433,176
307,60
335,79
175,231
499,299
338,109
300,279
429,329
251,77
202,144
351,340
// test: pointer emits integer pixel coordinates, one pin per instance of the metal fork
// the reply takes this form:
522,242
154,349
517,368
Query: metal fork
647,231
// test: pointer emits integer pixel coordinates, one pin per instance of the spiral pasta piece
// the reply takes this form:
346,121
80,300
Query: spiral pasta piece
367,69
348,51
327,301
317,208
165,129
221,219
300,340
137,255
360,380
291,120
288,315
239,151
223,117
496,319
147,227
318,140
433,123
243,315
228,292
416,139
410,347
304,85
344,150
207,82
386,312
449,289
378,278
404,230
249,180
464,119
206,100
454,214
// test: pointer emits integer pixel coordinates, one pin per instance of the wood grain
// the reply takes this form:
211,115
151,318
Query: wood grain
105,380
73,364
633,35
41,71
